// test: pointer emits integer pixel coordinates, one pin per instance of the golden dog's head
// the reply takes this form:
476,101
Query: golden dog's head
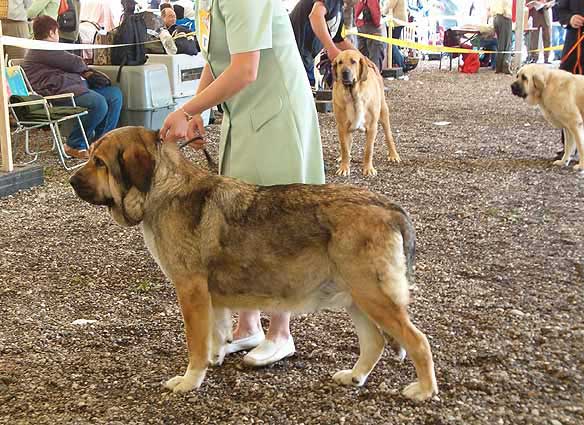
119,173
350,67
530,82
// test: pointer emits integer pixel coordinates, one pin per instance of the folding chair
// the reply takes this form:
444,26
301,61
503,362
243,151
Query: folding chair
31,111
451,39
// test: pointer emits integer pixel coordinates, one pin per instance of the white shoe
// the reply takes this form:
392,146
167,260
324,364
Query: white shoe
246,343
269,352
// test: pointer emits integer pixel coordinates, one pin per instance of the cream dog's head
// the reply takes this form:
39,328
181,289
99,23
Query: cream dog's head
530,83
119,173
350,67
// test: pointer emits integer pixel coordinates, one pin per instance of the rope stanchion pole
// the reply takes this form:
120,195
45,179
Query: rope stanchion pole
5,139
389,46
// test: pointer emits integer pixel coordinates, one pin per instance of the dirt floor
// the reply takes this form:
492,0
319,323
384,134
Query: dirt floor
499,288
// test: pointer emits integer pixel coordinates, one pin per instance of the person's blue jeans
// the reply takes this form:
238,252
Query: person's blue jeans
558,37
103,113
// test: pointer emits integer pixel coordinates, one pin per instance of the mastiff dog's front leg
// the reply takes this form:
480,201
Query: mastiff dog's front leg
195,304
222,335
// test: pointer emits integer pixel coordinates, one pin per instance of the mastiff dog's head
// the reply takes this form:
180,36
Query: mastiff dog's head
530,82
350,67
119,173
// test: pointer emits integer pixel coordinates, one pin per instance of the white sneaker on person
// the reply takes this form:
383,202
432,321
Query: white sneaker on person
269,352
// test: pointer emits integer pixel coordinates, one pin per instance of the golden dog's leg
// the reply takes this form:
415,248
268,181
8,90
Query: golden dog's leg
396,322
346,141
368,169
569,139
222,334
579,141
371,345
384,116
195,304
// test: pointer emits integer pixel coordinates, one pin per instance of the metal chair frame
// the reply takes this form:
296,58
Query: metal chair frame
27,125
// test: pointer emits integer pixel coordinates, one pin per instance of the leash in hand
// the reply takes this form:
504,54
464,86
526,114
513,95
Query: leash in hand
210,161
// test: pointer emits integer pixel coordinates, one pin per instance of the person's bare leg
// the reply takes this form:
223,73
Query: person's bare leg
277,345
248,324
279,329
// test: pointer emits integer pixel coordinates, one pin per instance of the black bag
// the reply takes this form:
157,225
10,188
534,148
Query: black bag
132,31
68,20
96,79
186,42
367,13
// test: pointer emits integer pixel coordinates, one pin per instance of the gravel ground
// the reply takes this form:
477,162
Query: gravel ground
499,289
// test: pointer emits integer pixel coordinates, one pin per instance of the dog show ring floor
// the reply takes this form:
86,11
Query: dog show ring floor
91,329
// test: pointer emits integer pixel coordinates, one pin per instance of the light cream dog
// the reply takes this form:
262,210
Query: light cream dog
226,244
560,96
359,103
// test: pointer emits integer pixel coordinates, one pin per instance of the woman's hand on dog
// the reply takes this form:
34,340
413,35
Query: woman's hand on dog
197,128
177,127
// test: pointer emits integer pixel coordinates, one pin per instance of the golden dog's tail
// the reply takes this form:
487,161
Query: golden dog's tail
408,233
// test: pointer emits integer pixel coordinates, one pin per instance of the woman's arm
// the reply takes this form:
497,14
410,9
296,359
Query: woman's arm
206,78
318,24
241,72
36,8
59,59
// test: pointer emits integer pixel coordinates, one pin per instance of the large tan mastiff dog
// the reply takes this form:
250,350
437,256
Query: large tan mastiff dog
560,96
226,244
359,103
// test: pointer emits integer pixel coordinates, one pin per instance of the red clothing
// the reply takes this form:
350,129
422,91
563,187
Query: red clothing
373,6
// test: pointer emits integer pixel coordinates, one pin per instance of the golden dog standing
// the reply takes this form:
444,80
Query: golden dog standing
269,133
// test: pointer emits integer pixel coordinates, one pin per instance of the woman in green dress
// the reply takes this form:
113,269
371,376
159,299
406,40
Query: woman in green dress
43,8
269,133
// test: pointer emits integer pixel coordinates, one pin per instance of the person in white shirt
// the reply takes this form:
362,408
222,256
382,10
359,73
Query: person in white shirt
501,11
105,14
15,25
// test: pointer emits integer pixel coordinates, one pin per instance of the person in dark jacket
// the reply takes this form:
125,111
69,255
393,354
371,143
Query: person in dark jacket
318,24
53,72
571,15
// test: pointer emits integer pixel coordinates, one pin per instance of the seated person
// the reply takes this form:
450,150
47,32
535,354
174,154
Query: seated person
182,20
168,16
184,45
58,72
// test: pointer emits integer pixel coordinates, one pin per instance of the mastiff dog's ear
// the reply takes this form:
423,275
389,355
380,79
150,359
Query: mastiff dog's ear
363,69
136,166
539,80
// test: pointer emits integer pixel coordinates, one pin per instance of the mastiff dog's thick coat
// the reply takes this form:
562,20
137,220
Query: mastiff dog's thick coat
560,96
226,244
359,104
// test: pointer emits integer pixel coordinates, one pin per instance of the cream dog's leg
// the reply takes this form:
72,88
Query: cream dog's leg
579,141
568,147
346,141
368,169
384,117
